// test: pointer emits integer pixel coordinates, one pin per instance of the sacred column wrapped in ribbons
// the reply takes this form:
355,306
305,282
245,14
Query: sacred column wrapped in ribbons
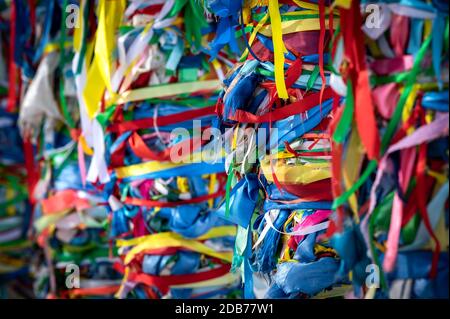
193,149
277,106
157,100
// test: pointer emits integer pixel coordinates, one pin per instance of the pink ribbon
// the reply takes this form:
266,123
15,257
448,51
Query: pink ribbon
438,128
317,217
81,164
393,65
399,33
408,157
385,98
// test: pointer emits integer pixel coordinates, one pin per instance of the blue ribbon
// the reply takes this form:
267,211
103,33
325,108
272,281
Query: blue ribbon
243,198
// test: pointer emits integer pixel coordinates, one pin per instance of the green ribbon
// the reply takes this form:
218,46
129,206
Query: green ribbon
176,9
191,102
345,123
373,250
227,190
194,21
446,36
312,78
395,78
104,117
88,253
84,38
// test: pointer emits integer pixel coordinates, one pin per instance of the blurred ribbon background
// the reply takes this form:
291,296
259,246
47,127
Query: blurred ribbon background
327,175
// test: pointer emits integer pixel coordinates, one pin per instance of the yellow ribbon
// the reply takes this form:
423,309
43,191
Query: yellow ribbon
351,165
170,239
220,231
279,49
168,90
211,188
258,3
78,33
253,35
409,105
306,5
346,4
441,178
10,194
335,292
294,26
124,281
156,166
86,149
297,174
428,26
220,281
52,47
99,74
48,220
144,168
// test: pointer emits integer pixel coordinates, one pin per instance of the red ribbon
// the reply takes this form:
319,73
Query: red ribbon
422,192
307,103
138,146
160,120
321,48
336,187
355,53
12,94
149,10
155,203
92,291
32,172
163,282
63,200
312,192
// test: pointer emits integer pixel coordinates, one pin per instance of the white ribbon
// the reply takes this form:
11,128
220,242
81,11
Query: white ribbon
410,12
92,132
273,214
39,101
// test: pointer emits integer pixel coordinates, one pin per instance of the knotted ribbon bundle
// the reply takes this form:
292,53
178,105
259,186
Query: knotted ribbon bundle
112,95
224,148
